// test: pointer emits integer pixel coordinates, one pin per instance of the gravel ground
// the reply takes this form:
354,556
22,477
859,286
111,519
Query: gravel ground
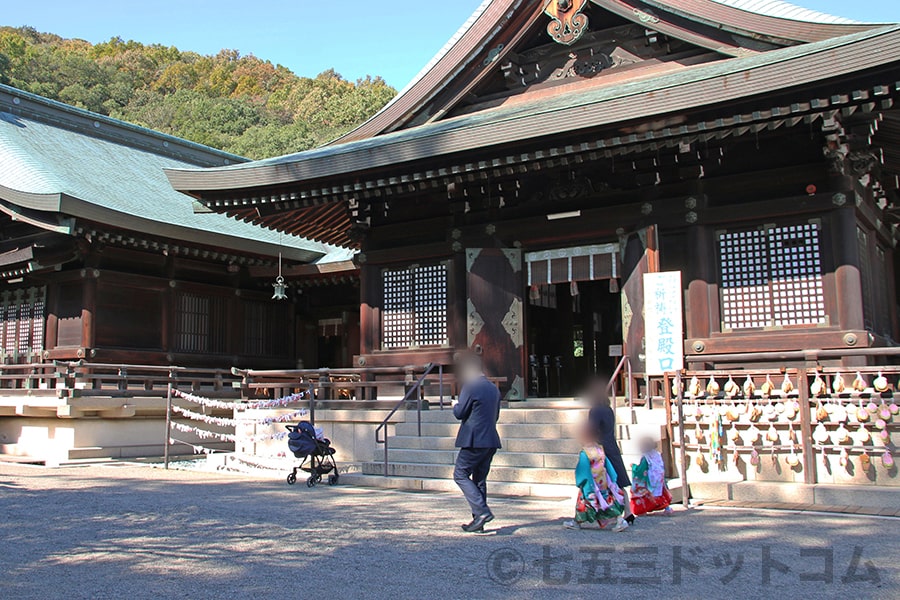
139,532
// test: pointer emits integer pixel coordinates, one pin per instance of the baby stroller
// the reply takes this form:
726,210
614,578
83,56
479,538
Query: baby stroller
303,442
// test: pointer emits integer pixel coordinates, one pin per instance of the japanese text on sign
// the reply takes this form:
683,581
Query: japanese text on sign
662,321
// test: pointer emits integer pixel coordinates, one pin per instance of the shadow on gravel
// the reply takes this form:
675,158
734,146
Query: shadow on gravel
80,535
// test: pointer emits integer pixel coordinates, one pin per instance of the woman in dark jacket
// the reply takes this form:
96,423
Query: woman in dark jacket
603,420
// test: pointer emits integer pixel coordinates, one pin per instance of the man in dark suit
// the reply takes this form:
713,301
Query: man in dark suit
478,409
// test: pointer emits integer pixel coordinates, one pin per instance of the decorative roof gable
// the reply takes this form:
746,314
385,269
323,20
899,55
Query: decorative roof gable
511,47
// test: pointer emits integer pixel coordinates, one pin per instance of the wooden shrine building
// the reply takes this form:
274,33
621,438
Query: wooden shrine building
110,278
101,260
511,197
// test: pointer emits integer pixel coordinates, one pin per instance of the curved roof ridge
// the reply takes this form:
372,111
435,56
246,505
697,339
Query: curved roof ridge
785,10
409,90
47,167
321,162
67,115
444,49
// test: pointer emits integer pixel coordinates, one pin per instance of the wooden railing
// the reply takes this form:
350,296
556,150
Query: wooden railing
335,384
82,379
812,424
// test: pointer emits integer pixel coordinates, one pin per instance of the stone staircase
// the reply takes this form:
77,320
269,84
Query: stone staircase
537,459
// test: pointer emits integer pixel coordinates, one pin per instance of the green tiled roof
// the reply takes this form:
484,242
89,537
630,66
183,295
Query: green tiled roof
523,121
57,158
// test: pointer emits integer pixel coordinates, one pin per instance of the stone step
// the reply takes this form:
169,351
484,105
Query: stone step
552,403
22,460
507,415
530,431
525,413
546,416
626,416
445,471
88,452
501,459
506,430
495,488
443,450
641,430
414,442
527,446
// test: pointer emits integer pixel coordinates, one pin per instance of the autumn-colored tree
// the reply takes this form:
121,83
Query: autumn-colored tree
231,101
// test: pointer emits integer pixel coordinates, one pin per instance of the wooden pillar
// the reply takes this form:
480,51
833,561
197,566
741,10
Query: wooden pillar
807,444
369,309
353,345
51,330
168,318
892,291
700,320
168,308
234,315
88,308
847,281
456,302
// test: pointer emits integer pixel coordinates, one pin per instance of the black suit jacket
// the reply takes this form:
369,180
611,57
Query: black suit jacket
478,409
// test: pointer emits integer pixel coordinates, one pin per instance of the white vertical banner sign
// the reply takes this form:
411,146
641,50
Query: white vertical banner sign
663,329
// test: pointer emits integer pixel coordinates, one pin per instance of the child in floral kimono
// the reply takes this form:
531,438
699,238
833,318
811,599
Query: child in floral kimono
599,498
648,482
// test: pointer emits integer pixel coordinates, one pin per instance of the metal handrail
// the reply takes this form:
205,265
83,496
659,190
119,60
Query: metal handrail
611,386
415,388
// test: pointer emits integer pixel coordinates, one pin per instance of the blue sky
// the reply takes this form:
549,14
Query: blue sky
356,37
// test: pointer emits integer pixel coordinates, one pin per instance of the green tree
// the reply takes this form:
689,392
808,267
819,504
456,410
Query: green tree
236,102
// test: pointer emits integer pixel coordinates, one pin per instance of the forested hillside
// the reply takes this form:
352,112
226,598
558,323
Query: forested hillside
241,104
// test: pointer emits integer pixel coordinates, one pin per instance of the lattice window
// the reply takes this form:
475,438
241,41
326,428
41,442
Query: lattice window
200,324
37,322
771,277
746,301
22,321
10,324
415,307
796,263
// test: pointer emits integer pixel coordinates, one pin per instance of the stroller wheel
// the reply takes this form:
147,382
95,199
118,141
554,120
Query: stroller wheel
292,478
333,479
312,481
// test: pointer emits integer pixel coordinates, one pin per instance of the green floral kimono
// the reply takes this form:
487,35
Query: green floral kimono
599,498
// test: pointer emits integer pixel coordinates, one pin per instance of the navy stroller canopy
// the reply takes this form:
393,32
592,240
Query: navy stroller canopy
302,439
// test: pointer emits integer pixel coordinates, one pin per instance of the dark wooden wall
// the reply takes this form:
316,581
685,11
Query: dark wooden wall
125,306
775,178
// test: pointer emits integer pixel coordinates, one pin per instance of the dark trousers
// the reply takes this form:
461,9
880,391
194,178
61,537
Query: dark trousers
470,474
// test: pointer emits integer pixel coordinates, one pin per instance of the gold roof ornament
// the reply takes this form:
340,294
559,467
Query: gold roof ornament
569,22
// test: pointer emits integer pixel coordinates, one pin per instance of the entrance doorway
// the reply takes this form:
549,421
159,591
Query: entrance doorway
570,330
